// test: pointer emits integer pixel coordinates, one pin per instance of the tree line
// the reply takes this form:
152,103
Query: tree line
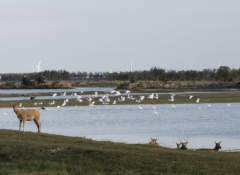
223,73
38,76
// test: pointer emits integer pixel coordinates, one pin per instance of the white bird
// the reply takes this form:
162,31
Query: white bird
96,94
190,96
91,103
20,105
63,94
54,94
118,93
35,103
155,112
58,106
172,97
79,98
50,103
38,67
121,99
127,91
113,91
81,92
114,102
173,106
4,113
142,98
64,103
151,96
138,100
156,96
140,107
130,97
40,103
228,104
209,105
154,107
198,100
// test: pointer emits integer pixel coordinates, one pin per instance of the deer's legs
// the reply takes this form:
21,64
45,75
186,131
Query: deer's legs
38,125
23,125
20,123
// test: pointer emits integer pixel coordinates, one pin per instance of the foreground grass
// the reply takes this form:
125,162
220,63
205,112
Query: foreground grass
33,153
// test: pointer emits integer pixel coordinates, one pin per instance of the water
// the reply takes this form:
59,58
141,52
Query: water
23,91
128,124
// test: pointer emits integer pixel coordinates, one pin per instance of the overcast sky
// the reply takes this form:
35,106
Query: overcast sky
98,35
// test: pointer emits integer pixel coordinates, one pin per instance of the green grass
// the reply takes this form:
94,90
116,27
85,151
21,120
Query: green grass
33,153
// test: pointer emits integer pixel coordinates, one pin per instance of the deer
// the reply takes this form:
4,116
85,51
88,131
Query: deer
154,142
28,115
184,144
216,149
178,145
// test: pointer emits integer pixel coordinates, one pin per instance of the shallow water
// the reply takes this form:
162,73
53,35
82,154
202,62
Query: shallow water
129,124
77,89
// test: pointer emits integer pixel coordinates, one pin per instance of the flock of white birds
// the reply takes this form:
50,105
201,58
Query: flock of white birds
105,100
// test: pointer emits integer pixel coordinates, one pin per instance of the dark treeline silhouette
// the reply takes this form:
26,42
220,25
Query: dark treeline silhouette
91,76
38,76
223,73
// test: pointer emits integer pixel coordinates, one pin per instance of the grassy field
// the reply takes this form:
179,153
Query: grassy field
33,153
223,97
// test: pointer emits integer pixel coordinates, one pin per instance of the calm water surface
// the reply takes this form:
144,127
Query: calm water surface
129,124
22,91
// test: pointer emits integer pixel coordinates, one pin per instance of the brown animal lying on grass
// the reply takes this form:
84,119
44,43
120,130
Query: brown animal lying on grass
154,142
184,144
216,149
178,145
28,115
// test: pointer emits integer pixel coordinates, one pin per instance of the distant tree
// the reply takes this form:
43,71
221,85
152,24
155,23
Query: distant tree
25,81
40,78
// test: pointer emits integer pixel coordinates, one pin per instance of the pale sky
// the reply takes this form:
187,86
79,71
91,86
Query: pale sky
79,35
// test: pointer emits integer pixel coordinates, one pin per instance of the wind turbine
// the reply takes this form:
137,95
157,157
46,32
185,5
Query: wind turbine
110,71
38,67
191,66
131,67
